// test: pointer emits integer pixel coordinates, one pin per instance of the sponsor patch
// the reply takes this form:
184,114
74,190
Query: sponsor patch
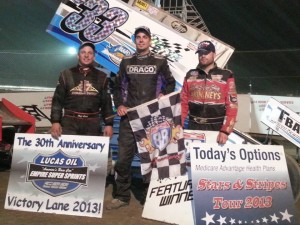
141,4
141,69
179,26
216,77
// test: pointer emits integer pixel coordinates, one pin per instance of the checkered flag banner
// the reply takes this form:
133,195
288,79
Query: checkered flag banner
159,136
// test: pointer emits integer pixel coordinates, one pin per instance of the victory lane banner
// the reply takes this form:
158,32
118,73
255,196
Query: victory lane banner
64,176
241,184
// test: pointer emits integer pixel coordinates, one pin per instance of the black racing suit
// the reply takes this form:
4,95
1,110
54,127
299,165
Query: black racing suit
139,80
83,95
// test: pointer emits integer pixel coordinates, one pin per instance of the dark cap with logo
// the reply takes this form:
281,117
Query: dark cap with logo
206,47
87,44
143,29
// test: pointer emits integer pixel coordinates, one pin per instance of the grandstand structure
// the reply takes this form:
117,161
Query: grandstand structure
183,9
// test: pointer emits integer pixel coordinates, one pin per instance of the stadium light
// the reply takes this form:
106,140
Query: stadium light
72,50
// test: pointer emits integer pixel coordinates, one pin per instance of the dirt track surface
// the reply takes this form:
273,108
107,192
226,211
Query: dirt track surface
130,215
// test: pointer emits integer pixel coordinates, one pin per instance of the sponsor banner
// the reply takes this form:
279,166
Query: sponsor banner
175,194
110,25
223,51
65,176
37,104
282,120
258,104
170,195
241,184
156,126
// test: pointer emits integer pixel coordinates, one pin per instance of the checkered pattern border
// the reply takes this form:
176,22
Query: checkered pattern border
169,161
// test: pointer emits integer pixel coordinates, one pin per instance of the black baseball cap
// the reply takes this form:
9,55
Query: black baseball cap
143,29
206,47
87,44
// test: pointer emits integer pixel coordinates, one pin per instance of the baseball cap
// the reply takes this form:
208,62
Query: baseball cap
206,47
143,29
87,44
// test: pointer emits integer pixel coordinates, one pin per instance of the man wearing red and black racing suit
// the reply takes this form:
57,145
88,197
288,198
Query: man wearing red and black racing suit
209,95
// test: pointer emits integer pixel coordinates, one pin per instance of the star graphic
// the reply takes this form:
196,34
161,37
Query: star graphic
264,220
222,220
286,215
208,218
257,221
93,167
240,222
274,218
232,221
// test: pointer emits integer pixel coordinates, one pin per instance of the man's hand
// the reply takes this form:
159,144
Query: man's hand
56,130
222,138
108,131
122,110
160,95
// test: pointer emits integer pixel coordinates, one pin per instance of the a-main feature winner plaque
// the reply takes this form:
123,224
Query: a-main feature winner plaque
241,184
65,176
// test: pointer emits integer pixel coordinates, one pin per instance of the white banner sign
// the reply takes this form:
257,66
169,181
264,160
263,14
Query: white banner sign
241,184
258,104
65,176
170,195
282,120
175,194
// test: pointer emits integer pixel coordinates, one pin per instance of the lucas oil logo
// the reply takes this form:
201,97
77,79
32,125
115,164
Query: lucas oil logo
57,174
141,69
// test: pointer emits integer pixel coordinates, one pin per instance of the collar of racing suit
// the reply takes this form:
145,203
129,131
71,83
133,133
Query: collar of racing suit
141,57
84,69
199,68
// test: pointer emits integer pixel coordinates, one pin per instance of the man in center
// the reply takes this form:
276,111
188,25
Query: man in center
142,77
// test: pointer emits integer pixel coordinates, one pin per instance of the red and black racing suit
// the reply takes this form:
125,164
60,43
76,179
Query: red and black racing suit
83,95
210,100
139,80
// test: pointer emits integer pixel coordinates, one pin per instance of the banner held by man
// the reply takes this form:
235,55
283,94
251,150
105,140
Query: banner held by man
159,137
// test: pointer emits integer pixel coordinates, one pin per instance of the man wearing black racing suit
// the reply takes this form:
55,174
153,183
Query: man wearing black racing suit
142,77
82,93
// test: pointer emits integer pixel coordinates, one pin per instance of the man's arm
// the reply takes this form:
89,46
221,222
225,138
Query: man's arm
57,107
231,107
120,87
106,104
168,78
184,101
106,109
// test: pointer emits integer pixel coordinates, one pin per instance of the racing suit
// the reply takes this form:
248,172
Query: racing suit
139,80
82,93
210,99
